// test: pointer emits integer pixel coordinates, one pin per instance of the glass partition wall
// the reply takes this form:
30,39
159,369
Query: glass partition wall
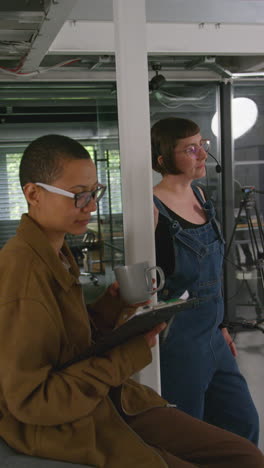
88,113
198,102
237,144
248,238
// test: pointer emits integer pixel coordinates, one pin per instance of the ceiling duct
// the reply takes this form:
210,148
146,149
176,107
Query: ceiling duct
210,63
173,102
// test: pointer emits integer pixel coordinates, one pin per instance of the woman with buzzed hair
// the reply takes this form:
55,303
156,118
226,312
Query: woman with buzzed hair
54,402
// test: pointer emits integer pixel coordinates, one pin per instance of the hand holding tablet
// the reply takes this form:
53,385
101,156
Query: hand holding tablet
145,320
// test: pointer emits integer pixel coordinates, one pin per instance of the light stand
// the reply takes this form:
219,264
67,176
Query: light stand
256,238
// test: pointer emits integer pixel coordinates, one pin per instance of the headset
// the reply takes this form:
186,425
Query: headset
218,168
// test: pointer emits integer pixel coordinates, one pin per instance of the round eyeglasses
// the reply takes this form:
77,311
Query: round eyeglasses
80,199
194,150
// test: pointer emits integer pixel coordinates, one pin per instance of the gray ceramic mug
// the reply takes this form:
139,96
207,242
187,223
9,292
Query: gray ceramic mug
135,281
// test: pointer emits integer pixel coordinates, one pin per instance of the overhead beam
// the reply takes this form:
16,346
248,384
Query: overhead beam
53,21
169,38
83,74
180,11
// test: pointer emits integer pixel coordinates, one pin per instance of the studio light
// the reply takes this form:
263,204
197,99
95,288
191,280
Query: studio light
244,116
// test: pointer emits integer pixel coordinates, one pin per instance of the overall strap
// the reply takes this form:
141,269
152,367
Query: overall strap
162,209
209,209
198,195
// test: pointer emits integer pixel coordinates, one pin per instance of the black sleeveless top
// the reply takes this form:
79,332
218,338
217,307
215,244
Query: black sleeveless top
164,244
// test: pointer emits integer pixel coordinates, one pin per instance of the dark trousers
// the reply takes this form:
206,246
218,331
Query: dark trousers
186,442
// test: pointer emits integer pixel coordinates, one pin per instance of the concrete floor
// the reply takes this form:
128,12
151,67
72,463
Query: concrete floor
250,345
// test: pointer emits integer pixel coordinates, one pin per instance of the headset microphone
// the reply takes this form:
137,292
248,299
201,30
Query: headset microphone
217,167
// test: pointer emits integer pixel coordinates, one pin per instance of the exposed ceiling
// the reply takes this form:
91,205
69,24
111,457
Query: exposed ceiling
29,27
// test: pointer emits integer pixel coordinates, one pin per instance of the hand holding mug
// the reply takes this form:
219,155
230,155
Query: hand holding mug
135,282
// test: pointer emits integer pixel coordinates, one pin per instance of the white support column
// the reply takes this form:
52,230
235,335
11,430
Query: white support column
134,139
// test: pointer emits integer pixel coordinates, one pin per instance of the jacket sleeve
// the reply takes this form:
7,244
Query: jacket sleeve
33,391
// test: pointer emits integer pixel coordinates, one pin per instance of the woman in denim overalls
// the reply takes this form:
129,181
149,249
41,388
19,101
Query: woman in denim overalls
198,369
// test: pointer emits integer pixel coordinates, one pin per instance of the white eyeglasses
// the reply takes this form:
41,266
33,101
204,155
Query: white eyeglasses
80,199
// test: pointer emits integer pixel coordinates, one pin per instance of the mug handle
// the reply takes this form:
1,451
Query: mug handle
149,279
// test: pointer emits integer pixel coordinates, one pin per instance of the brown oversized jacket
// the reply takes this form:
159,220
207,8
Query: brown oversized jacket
63,414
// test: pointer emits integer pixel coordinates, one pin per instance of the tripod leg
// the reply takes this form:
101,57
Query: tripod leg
248,255
255,299
238,258
257,242
234,230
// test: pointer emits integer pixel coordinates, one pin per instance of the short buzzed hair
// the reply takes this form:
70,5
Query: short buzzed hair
42,159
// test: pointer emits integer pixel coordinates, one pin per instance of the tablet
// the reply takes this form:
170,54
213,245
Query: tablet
140,323
145,319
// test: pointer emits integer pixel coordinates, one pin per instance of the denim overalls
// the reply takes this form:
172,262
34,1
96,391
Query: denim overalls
198,371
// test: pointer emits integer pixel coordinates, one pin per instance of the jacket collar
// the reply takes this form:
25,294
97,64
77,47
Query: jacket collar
32,234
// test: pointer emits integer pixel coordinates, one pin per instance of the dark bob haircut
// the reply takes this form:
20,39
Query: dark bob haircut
164,137
42,159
